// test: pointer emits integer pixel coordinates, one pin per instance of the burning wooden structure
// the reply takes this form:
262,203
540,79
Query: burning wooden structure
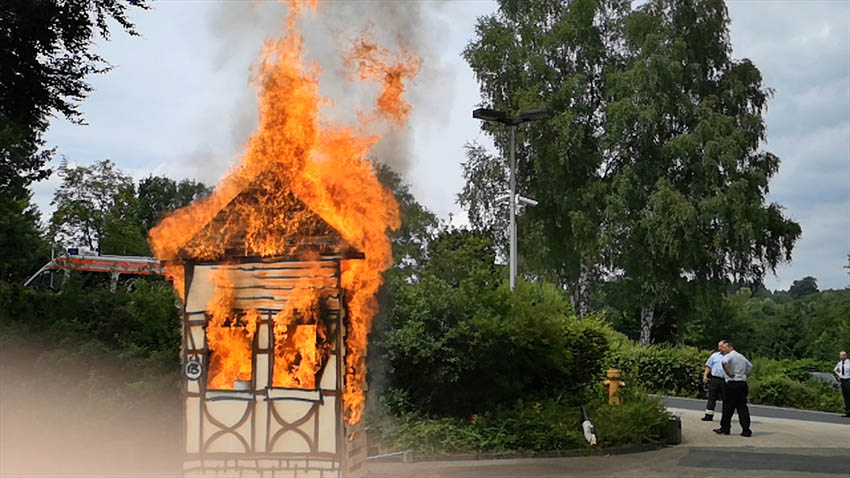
264,347
278,270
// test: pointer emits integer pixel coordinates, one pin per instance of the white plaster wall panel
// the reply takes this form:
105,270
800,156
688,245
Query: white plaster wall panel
227,412
327,426
196,338
291,411
309,428
193,421
263,336
226,443
261,372
194,386
260,425
231,444
201,289
328,379
291,442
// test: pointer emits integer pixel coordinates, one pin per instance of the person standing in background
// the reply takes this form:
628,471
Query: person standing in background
737,368
715,378
842,373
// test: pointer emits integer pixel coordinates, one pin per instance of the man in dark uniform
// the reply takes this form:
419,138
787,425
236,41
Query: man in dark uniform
737,369
715,378
842,373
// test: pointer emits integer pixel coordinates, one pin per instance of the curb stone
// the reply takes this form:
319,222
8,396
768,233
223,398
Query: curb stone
576,452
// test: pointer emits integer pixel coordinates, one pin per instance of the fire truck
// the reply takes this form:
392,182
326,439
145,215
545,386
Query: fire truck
118,269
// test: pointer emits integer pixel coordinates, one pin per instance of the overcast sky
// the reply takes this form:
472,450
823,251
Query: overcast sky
179,102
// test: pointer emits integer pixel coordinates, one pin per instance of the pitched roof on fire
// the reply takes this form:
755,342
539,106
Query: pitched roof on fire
241,230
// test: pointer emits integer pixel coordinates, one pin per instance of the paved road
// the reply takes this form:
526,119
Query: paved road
672,462
761,411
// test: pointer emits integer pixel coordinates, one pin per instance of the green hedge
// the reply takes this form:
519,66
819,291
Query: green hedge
787,383
662,369
781,391
528,426
143,324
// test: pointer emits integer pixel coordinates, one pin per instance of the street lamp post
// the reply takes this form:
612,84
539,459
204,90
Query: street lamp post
487,114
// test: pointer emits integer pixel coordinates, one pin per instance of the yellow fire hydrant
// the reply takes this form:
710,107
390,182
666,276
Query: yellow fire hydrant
614,383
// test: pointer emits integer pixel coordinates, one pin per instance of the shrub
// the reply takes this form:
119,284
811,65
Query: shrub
662,369
530,426
797,370
143,324
773,390
638,419
461,347
781,391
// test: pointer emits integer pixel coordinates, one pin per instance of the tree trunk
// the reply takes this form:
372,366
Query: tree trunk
647,317
580,293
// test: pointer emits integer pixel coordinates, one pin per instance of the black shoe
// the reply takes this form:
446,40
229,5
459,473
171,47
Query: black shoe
707,418
747,433
720,431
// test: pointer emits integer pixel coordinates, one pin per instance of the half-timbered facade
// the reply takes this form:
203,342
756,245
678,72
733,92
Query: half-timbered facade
263,425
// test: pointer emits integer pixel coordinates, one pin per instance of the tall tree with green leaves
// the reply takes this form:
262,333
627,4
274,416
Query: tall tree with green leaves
158,195
686,206
99,207
552,54
93,202
22,249
46,56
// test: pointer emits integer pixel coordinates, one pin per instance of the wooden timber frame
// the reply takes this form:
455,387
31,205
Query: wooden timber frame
266,431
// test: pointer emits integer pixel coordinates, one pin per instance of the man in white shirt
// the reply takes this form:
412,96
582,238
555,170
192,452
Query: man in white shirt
842,373
715,378
737,368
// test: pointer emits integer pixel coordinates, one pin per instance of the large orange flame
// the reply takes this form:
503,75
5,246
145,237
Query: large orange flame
229,335
301,345
325,167
388,67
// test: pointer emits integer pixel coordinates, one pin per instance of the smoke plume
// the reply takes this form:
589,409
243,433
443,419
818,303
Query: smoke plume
329,34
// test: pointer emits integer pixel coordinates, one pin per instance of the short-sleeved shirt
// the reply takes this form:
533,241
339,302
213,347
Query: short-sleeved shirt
715,364
738,366
846,373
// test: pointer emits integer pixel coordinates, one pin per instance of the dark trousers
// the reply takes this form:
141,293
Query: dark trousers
845,392
735,399
715,393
